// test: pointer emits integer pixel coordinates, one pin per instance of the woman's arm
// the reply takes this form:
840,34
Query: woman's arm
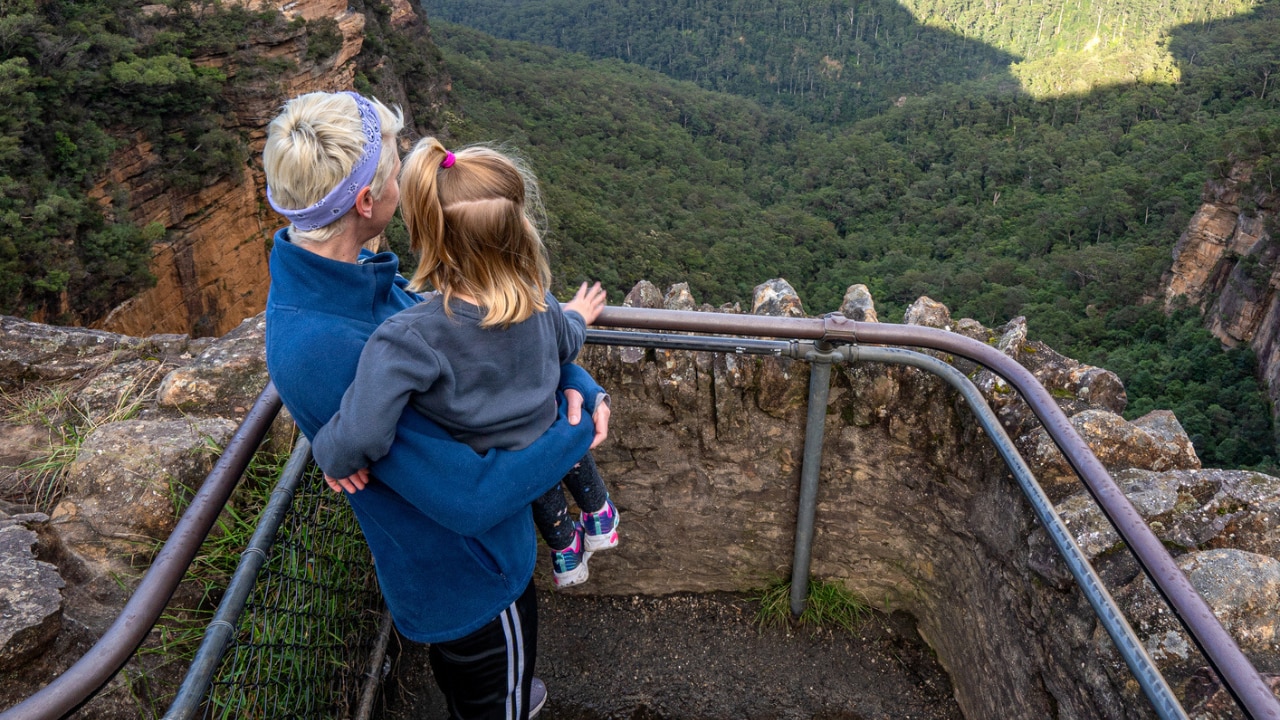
469,493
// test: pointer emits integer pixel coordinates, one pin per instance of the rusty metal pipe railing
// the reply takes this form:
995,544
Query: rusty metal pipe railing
1224,655
97,666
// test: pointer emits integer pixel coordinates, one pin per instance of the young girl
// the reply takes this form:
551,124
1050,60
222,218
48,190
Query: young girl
481,357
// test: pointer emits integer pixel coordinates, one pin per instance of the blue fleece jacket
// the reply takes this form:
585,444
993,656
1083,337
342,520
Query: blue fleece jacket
451,531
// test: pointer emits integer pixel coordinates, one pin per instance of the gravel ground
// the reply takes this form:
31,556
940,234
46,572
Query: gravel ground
685,657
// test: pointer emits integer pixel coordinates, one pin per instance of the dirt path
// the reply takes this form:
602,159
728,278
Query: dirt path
686,657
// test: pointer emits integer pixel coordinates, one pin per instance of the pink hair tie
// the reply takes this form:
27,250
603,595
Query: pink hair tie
449,159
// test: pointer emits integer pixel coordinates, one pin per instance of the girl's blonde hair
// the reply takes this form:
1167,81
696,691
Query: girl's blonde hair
476,229
313,144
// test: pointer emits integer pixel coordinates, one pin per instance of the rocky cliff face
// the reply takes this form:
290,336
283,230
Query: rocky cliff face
1226,264
212,272
915,510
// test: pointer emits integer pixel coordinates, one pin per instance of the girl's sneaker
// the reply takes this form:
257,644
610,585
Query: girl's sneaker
569,566
601,528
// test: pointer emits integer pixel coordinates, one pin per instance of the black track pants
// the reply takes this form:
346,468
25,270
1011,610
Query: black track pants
486,675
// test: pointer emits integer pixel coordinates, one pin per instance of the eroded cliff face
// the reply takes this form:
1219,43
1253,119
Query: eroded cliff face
1225,263
211,272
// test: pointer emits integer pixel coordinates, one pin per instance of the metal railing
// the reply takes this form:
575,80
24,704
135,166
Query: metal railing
301,630
1223,654
829,339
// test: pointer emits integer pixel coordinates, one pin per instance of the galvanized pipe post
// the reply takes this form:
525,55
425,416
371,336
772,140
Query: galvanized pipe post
820,359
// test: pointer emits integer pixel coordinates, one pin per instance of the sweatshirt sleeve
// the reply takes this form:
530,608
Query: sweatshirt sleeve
571,330
396,363
573,377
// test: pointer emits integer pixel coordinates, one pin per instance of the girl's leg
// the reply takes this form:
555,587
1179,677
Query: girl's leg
551,515
599,516
586,486
563,536
488,674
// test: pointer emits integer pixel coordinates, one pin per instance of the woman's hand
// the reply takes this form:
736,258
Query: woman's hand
600,417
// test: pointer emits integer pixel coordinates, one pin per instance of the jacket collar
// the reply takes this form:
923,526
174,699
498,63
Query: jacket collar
304,279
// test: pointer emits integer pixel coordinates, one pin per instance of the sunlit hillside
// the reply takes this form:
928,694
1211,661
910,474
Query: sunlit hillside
1076,45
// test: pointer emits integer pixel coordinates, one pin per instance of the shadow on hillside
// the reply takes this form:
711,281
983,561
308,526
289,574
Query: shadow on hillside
833,64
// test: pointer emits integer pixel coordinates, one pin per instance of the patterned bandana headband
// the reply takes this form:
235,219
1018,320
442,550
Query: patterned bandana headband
343,197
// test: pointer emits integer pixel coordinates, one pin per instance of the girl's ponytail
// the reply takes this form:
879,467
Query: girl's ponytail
420,206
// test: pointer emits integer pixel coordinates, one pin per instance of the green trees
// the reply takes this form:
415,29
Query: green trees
988,199
79,80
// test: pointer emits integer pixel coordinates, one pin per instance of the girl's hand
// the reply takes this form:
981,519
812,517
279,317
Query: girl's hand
350,484
587,303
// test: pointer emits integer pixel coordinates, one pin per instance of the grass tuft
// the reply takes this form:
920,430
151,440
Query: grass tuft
54,407
830,605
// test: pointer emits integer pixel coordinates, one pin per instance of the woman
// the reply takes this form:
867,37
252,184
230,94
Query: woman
451,532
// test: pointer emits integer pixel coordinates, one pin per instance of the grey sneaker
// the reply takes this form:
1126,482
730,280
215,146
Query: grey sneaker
537,697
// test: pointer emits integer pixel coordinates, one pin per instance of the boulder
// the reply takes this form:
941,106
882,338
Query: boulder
858,304
227,376
776,297
30,594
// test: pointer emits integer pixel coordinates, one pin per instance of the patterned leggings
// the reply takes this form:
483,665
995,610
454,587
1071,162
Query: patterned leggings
551,511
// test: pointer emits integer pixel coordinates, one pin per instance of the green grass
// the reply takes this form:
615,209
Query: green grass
830,605
54,407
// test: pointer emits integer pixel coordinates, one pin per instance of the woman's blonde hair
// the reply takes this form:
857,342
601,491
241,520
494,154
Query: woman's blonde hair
476,229
313,144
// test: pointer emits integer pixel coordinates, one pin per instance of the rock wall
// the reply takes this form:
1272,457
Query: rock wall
212,271
1226,263
915,509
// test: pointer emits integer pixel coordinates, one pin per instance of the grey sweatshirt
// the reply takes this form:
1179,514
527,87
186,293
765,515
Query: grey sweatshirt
488,387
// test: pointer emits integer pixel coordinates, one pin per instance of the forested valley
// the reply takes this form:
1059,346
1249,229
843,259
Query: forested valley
1005,158
947,164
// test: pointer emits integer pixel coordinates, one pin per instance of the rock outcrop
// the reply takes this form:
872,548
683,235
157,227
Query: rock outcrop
1228,265
915,512
211,271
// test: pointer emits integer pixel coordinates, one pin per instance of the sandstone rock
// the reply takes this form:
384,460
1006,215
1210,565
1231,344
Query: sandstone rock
1149,443
30,594
776,297
929,313
975,330
402,14
1012,337
1207,699
678,297
229,375
644,295
1187,509
19,444
1242,589
132,474
1075,386
120,390
858,304
35,351
1228,265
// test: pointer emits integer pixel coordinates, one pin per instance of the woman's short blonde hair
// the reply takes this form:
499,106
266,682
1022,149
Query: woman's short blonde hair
475,222
314,143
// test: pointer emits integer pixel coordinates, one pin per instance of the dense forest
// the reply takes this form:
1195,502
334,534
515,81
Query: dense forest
925,148
839,59
992,199
81,80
